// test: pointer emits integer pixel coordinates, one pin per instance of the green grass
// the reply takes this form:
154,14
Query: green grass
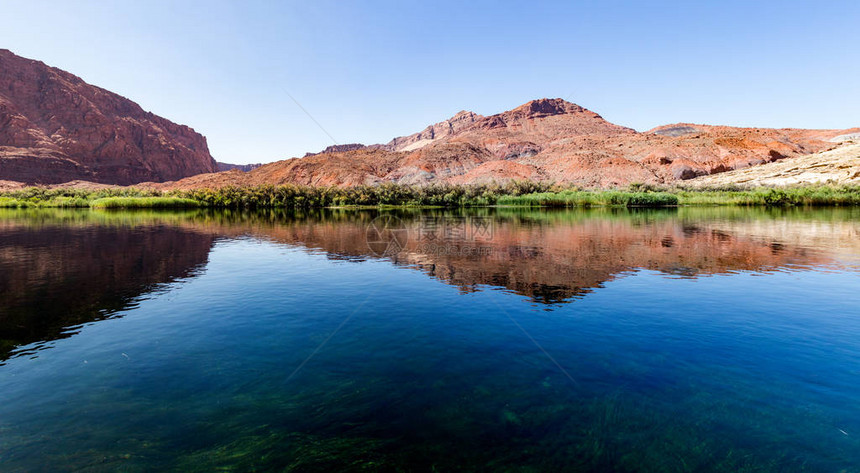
765,197
38,197
387,194
143,203
57,202
574,198
775,197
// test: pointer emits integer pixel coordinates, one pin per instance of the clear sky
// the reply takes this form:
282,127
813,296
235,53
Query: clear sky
371,70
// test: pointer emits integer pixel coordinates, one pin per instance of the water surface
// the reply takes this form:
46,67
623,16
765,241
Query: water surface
603,340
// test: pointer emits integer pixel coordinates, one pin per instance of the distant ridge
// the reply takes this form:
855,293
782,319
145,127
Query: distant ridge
339,149
238,167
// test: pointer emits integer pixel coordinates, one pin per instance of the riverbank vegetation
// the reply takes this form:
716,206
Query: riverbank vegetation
160,202
515,193
577,198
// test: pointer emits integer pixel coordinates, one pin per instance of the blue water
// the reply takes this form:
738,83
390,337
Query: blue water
575,341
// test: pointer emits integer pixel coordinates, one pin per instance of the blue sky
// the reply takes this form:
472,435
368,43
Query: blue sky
371,70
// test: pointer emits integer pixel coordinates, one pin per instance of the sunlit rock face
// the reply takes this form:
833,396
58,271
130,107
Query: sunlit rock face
54,128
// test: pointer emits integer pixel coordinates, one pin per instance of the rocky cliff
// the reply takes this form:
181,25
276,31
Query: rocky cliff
54,127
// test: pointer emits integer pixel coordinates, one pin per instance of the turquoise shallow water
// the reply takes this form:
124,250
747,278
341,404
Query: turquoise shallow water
686,340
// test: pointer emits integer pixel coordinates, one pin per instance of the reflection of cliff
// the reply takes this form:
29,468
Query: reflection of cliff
56,276
556,259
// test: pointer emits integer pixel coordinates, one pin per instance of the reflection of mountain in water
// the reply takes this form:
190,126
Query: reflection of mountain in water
553,257
63,269
56,276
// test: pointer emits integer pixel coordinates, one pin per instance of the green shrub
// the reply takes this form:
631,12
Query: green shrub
591,199
512,193
143,203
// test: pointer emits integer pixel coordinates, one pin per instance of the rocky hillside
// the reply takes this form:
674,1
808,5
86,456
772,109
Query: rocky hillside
546,139
837,166
54,128
438,131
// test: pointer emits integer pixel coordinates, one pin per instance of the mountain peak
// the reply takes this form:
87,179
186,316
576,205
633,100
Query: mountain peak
547,107
543,108
463,114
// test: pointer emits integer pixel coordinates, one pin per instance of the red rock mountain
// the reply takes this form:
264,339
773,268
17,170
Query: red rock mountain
546,139
54,128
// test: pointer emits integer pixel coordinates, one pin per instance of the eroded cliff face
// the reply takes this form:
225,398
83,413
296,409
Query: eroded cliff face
54,128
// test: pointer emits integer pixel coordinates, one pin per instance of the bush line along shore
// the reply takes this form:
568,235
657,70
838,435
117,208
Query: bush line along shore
514,193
